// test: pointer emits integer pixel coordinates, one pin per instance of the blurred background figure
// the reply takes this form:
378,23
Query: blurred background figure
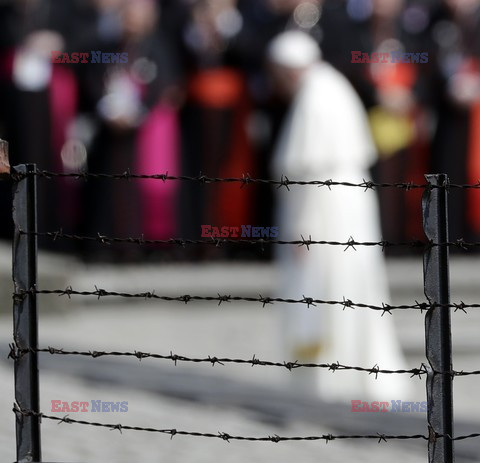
455,96
394,96
215,118
326,135
134,113
7,45
38,99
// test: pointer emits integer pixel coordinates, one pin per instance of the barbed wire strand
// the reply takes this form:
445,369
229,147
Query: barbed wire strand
350,244
17,352
220,435
218,242
231,437
264,301
244,180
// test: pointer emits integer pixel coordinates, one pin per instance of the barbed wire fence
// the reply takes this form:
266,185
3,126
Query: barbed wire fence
437,370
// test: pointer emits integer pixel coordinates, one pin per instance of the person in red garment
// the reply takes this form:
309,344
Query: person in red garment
215,119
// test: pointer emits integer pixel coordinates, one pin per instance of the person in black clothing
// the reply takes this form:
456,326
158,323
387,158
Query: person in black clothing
123,97
28,84
454,94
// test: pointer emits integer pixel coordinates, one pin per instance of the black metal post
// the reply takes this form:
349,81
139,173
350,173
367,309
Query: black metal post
25,314
438,337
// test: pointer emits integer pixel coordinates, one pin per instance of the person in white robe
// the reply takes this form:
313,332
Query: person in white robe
326,136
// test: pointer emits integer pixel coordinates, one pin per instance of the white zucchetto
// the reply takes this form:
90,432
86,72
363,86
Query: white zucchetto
294,49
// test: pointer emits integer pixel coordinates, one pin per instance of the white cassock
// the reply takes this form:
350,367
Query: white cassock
326,136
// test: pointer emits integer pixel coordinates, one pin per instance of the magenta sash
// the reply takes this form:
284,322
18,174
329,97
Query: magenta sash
158,153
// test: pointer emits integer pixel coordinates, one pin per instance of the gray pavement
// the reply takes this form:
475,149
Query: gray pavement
234,399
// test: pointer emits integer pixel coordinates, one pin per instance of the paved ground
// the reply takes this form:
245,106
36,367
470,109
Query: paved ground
82,443
237,330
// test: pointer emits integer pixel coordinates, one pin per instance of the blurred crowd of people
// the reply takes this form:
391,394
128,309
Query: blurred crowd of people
196,96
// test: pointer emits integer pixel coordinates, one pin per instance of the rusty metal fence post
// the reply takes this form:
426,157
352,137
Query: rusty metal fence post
25,314
438,338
